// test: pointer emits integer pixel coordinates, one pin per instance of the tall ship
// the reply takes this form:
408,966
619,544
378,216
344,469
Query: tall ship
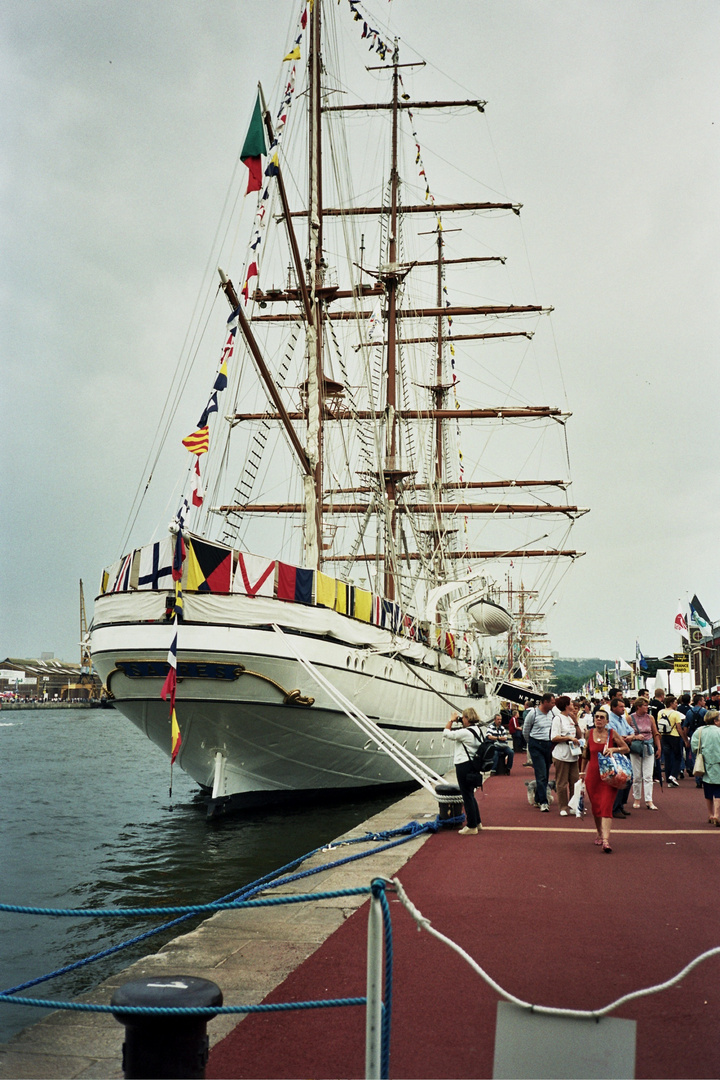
527,658
354,451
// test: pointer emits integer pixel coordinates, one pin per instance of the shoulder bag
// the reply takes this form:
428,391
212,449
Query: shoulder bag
637,746
699,766
615,769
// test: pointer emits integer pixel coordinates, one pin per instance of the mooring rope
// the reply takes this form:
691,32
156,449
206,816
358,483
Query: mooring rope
406,832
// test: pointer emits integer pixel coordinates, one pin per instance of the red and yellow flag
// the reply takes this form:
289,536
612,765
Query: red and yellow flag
199,441
176,737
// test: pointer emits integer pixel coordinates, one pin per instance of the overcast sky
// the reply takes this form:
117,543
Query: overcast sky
121,122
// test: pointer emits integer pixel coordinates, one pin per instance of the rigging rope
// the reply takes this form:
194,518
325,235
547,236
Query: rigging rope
416,769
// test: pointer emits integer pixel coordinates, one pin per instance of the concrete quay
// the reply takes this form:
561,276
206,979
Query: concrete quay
247,953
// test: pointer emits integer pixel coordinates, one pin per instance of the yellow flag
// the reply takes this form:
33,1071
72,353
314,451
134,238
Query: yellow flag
363,605
324,590
294,54
175,737
195,576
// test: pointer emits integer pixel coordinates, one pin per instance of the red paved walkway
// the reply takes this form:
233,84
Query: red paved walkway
531,899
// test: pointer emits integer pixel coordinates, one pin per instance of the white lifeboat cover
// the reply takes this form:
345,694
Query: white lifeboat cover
490,618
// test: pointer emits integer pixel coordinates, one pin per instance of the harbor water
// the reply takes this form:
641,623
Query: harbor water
87,822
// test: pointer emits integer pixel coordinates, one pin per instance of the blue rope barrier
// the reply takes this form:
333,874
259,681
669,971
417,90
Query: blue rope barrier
405,833
186,909
245,890
138,1010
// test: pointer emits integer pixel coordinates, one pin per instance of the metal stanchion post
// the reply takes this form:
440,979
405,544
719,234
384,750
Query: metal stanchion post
159,1047
373,1008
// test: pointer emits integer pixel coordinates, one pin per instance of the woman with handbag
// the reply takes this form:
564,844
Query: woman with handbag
601,740
465,732
565,736
706,746
644,751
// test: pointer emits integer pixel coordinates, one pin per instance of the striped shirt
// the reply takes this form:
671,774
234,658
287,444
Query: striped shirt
538,724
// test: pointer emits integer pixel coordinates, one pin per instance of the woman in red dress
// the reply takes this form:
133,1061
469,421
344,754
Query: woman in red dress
600,794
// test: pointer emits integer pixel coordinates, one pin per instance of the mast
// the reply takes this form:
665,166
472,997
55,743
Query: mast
85,654
314,484
390,280
387,489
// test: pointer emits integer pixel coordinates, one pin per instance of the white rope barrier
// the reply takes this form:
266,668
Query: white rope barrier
583,1014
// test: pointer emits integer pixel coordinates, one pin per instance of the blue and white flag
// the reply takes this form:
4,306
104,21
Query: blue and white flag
156,565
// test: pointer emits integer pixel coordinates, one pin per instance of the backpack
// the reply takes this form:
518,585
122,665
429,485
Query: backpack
693,719
477,759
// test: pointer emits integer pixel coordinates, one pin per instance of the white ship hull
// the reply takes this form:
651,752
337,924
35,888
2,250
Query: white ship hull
255,726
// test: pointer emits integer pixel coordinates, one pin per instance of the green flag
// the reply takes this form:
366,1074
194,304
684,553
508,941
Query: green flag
254,148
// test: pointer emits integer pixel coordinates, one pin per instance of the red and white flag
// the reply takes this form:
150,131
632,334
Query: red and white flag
681,622
197,489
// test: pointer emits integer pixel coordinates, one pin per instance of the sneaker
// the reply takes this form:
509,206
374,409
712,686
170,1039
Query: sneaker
493,772
563,813
545,808
465,831
673,781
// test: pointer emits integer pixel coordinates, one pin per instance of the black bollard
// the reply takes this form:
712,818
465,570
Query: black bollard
448,810
159,1047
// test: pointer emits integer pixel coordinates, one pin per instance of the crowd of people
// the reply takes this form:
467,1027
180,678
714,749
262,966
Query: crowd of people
661,735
